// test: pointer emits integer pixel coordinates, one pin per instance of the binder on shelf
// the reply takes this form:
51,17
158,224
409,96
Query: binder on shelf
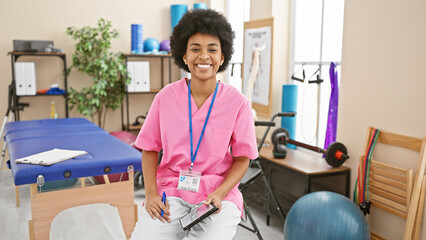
30,79
20,78
138,77
25,78
145,77
141,76
131,71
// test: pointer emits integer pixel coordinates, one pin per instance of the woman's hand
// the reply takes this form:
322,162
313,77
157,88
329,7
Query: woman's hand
216,199
154,205
236,172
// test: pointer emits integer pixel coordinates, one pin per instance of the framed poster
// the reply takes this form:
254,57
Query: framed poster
258,35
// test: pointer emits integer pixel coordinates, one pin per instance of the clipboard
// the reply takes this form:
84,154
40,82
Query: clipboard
50,157
197,215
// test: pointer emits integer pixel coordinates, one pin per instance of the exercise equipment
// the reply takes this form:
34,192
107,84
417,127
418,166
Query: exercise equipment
137,38
200,5
335,154
362,193
165,45
176,13
289,104
151,45
333,107
325,215
280,149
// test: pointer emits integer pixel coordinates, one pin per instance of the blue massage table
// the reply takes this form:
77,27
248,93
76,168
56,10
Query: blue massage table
47,123
106,155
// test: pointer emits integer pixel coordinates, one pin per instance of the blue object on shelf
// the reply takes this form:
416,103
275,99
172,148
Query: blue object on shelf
151,45
289,104
55,91
176,13
200,6
137,38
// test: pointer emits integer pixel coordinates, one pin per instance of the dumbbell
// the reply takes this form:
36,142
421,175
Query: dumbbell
279,141
335,154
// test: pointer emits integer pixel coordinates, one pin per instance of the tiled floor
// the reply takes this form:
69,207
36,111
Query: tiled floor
91,221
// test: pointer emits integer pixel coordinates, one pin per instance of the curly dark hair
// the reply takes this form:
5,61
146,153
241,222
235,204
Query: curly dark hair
206,21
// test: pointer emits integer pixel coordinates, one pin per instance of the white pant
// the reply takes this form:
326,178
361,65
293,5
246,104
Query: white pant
222,225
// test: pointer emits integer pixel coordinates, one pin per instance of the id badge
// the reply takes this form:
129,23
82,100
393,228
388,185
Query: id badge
189,181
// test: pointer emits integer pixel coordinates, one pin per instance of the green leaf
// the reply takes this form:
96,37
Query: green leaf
107,69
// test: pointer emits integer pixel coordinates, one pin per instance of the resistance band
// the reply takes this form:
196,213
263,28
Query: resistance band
369,164
362,182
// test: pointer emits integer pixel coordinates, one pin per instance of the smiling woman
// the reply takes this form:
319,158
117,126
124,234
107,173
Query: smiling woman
196,122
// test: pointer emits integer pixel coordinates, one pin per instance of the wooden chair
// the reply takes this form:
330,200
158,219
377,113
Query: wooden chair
391,187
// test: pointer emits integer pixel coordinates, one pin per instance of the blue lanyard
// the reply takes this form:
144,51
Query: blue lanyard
193,155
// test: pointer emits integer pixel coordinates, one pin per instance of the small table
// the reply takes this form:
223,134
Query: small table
300,173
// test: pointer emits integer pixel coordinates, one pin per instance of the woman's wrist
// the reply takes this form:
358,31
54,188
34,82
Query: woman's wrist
220,193
150,192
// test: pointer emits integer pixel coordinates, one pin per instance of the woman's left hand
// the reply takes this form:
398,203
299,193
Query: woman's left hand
235,173
216,199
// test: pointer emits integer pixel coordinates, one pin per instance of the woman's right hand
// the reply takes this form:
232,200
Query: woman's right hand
154,205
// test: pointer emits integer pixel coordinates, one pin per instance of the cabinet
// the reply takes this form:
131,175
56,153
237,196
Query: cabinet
154,89
14,103
298,174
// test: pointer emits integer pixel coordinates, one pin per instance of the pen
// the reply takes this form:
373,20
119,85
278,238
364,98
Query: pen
163,199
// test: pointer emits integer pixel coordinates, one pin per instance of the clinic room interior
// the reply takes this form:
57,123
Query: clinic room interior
351,71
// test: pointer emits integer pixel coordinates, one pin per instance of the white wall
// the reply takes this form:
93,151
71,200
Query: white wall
383,84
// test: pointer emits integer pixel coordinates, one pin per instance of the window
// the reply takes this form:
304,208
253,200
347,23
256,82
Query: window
317,32
237,12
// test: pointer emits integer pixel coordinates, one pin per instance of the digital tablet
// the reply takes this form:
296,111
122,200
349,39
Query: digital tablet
196,215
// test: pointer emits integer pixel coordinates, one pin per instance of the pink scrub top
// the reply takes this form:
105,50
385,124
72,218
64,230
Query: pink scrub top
166,127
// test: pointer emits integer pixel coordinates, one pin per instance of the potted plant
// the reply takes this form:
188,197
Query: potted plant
108,71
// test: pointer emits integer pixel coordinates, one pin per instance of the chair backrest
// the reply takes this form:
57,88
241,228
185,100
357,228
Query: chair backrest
390,187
